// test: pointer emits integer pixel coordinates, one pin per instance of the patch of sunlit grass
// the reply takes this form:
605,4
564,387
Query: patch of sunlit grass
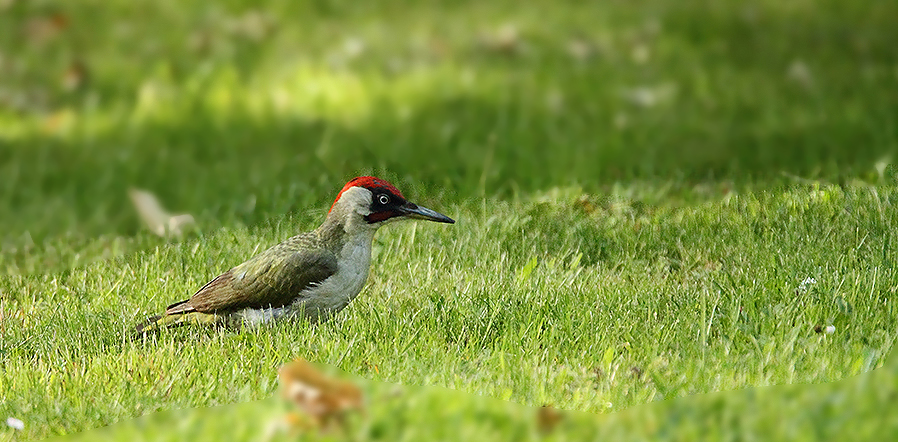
654,200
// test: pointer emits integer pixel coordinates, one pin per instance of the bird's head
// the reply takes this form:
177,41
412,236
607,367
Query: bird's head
375,202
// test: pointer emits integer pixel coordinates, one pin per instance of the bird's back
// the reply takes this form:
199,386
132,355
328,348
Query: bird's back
271,279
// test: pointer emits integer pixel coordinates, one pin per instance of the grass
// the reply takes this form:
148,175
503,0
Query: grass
654,200
851,408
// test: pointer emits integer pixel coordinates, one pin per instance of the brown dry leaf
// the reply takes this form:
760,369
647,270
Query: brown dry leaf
547,418
506,39
324,400
75,76
156,218
44,29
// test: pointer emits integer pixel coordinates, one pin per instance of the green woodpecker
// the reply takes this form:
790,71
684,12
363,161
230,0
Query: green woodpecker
314,274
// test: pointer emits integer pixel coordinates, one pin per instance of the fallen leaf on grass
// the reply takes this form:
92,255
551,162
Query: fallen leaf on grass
506,40
547,418
75,76
14,423
46,28
156,218
323,401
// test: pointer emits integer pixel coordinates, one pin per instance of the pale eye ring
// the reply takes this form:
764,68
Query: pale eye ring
383,199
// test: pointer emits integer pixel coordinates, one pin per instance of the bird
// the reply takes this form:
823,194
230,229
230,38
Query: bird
312,275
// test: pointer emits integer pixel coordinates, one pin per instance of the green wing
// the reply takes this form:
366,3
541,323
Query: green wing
272,279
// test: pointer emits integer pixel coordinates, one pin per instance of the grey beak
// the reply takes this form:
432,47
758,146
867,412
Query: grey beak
412,210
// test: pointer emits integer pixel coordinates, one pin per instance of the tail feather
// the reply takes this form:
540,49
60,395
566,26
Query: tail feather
159,322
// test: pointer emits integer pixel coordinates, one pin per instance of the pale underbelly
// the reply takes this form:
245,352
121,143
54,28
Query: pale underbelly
318,303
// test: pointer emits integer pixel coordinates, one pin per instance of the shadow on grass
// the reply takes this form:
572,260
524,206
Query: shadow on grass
727,94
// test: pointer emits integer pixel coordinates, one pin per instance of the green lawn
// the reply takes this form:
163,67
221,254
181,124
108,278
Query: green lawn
654,199
856,408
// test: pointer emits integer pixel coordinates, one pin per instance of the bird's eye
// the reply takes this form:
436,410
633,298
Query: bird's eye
383,199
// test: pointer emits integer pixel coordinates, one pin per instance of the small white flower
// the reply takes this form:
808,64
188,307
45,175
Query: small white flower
806,284
830,329
15,423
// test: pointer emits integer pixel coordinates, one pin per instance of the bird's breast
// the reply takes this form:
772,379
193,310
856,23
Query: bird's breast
335,292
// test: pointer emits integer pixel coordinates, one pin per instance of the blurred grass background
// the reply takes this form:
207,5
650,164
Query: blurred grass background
237,111
656,199
855,408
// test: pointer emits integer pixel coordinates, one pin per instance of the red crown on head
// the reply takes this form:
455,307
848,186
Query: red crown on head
370,183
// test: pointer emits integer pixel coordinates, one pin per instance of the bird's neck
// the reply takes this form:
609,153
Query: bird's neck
344,225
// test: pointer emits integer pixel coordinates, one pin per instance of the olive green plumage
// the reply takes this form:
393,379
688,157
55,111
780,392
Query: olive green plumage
270,279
